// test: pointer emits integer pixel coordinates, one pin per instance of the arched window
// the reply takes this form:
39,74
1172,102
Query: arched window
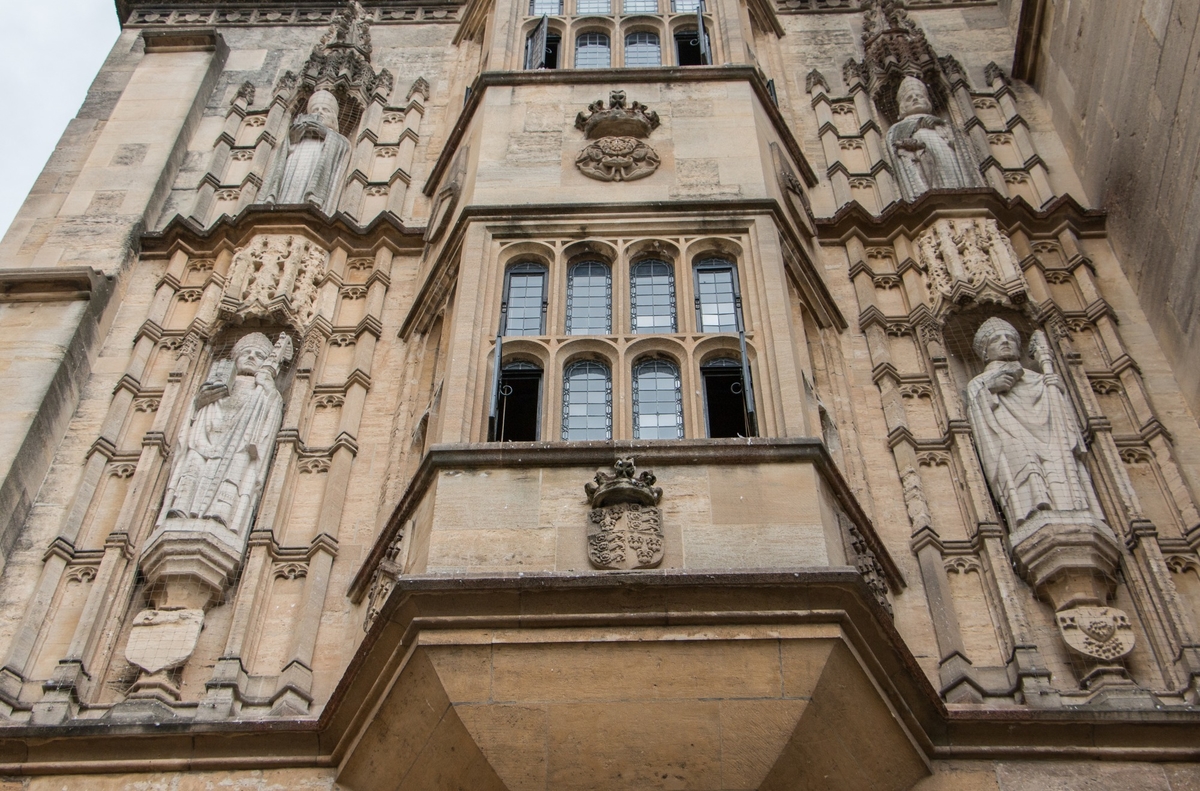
657,401
651,297
717,296
518,413
524,305
642,49
592,51
541,47
589,299
724,399
587,402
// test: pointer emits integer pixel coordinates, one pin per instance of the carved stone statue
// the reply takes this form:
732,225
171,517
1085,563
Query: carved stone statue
311,163
220,464
1033,455
927,152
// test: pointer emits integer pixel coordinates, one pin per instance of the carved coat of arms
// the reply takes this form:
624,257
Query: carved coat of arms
1099,632
624,525
162,639
617,152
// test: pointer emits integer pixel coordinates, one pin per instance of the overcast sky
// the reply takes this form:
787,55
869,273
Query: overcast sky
52,50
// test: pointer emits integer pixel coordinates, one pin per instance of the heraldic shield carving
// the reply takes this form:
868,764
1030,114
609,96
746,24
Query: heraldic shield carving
1099,632
624,526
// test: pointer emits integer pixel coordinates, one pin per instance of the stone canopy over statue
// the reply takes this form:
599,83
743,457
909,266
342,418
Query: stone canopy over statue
311,163
926,151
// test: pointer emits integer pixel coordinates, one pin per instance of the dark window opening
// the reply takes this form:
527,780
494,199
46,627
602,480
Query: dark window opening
552,44
724,399
688,50
518,413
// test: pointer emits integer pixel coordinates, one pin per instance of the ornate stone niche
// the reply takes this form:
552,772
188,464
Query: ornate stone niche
617,152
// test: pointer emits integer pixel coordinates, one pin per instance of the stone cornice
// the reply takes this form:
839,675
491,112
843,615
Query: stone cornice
675,74
852,220
183,232
240,13
49,285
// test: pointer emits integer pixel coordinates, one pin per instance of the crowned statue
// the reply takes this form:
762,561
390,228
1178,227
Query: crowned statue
926,151
311,163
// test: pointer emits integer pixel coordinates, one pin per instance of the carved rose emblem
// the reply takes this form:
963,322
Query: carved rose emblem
617,159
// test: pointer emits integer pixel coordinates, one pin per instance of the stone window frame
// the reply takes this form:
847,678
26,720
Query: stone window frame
686,347
572,266
580,365
569,26
528,265
636,400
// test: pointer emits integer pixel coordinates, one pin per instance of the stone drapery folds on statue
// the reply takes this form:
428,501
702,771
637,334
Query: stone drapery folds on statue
311,163
927,152
220,463
1033,456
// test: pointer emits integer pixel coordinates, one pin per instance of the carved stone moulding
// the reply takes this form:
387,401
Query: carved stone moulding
969,260
624,526
276,276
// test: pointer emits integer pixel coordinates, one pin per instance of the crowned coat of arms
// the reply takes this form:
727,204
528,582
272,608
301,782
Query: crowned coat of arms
624,525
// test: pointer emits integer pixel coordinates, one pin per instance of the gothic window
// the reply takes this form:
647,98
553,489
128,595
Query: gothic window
657,401
724,399
593,7
518,413
640,6
545,7
592,51
691,49
587,402
524,305
589,300
716,296
652,297
642,49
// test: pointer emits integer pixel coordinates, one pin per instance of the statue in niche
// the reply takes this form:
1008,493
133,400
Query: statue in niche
926,151
1025,430
223,452
310,165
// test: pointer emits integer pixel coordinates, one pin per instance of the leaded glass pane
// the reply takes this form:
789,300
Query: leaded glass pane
684,6
545,7
652,298
642,49
587,402
526,290
640,6
657,401
592,7
592,51
589,306
715,304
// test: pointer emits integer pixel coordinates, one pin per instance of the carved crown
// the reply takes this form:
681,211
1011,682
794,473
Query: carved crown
623,486
635,120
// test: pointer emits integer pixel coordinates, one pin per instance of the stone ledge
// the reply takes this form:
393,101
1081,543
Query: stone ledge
49,285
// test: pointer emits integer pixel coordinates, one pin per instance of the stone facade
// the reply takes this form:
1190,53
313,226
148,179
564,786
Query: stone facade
750,396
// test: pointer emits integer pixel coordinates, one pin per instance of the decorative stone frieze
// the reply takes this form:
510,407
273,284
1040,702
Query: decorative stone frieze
970,259
617,153
275,275
624,526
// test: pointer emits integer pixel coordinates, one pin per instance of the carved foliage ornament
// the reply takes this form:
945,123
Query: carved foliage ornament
616,152
969,260
275,275
624,526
